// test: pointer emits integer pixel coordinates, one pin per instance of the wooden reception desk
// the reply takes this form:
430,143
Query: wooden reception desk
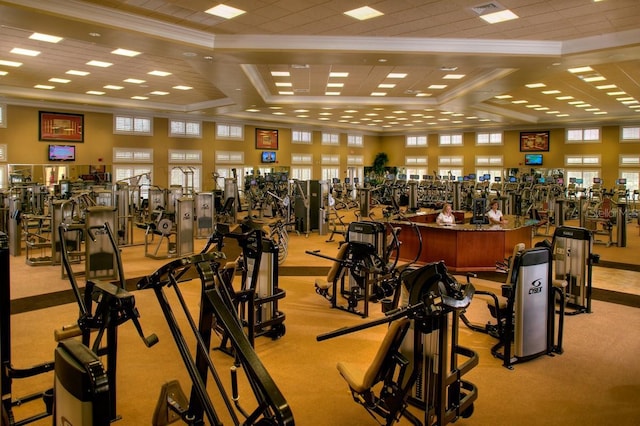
464,247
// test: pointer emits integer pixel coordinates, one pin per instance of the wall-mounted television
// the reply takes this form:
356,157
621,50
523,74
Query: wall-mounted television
533,159
62,153
268,156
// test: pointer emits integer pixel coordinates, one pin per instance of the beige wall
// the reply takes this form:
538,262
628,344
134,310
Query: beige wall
21,136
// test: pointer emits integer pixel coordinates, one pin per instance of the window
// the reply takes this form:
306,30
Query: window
185,129
355,140
630,134
300,173
489,138
301,136
633,179
226,172
3,115
185,156
452,139
416,161
447,172
3,152
301,158
229,131
330,138
450,165
591,135
132,155
629,160
416,141
356,160
330,159
130,125
236,157
328,173
586,175
3,167
488,160
581,160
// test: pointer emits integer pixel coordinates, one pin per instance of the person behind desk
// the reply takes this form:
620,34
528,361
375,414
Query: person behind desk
495,216
446,217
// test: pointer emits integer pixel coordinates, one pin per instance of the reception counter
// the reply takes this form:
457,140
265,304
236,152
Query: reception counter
464,247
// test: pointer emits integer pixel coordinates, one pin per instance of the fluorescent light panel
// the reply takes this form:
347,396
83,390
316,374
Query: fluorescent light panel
45,37
159,73
363,13
77,72
125,52
100,64
224,11
25,52
500,16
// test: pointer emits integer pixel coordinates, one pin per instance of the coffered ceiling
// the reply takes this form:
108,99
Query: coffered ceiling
423,64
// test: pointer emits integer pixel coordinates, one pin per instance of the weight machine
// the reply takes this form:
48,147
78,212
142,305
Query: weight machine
216,307
419,365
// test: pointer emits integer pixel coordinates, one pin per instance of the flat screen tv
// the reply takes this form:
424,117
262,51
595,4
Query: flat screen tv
533,159
62,153
268,156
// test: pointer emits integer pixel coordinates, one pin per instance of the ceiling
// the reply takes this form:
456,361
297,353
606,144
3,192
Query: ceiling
457,71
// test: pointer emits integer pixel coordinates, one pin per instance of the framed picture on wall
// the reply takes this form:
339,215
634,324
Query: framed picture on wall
56,126
534,141
266,139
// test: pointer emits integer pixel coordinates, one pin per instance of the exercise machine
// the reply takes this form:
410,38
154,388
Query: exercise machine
420,362
103,307
573,262
216,307
527,329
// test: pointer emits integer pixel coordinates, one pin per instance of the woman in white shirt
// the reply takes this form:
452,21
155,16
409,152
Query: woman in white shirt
495,216
446,217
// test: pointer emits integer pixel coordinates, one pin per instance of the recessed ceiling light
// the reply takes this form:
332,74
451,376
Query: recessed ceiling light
500,16
252,110
76,72
583,105
422,94
541,109
100,64
338,74
285,92
279,113
580,69
332,93
182,87
140,98
95,92
159,73
592,109
535,85
562,115
44,87
125,52
520,101
606,86
3,73
224,11
335,84
386,86
378,94
550,92
630,102
627,98
283,84
280,74
351,111
564,98
134,81
159,93
438,86
594,78
616,93
112,87
575,102
363,13
59,80
302,116
301,110
397,75
25,52
453,76
275,107
600,113
45,37
533,105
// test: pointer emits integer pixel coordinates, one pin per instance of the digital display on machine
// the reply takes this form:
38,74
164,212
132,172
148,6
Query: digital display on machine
472,175
533,159
513,179
622,181
461,178
62,153
268,156
560,181
541,180
486,176
414,177
425,177
497,179
335,180
597,180
572,180
402,177
579,181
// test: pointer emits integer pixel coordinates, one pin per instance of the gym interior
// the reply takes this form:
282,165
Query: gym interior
279,272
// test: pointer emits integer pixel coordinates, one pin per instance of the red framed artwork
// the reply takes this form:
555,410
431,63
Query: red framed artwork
534,141
56,126
266,139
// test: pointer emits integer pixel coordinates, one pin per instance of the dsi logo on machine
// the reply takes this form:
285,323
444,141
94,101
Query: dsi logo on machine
536,287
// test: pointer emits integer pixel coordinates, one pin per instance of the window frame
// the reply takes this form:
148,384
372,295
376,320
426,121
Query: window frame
231,136
133,118
186,124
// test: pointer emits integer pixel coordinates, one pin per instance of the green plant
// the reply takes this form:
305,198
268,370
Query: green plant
379,163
